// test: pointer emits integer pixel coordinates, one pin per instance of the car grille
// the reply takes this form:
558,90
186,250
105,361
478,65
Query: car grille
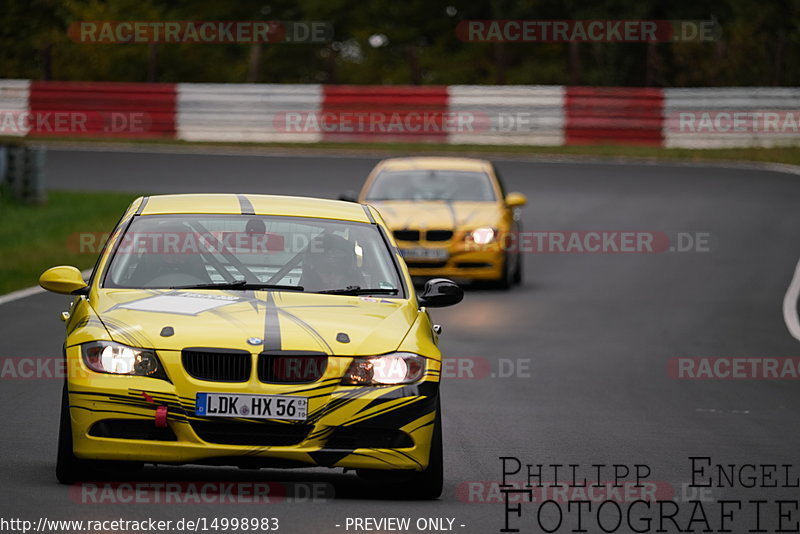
291,368
406,235
217,365
263,434
439,235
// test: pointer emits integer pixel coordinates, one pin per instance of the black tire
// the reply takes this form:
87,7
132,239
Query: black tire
420,485
518,270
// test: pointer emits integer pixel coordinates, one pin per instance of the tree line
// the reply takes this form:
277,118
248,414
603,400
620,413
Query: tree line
407,42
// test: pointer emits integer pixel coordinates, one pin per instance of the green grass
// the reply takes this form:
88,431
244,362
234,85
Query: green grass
34,238
788,155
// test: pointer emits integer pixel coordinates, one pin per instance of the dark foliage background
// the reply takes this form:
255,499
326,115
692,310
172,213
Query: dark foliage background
759,45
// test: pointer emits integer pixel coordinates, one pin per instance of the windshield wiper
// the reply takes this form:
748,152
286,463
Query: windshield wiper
358,290
240,284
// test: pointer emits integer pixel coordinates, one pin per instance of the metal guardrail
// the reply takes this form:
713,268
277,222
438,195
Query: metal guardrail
22,172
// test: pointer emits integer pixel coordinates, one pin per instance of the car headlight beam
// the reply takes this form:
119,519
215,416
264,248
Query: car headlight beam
387,369
483,236
118,359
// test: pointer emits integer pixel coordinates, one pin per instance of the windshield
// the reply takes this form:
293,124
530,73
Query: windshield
432,185
251,252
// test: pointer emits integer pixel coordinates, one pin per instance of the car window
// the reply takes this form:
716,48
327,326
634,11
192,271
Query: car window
424,185
163,251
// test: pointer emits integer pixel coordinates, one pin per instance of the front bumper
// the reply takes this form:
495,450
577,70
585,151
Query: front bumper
462,263
386,427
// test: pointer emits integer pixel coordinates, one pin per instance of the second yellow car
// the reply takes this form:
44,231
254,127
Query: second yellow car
450,217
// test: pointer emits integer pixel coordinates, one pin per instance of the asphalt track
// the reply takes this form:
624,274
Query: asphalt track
598,331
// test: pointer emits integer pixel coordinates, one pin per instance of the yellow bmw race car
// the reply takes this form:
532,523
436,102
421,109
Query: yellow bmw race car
450,216
254,331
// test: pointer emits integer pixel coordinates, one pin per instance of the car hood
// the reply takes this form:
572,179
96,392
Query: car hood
438,214
254,320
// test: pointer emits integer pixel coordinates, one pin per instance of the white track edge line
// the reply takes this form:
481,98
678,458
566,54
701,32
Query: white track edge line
790,313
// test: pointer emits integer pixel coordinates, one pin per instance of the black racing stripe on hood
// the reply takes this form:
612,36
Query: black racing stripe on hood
245,205
272,325
308,328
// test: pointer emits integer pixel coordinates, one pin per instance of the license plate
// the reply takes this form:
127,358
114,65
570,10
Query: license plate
252,406
421,253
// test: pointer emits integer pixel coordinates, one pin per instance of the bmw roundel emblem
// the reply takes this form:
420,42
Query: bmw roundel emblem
255,341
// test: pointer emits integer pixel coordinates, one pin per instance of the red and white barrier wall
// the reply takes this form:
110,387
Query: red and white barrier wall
243,112
457,114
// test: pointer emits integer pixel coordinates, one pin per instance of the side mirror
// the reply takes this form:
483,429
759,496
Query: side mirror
440,292
63,279
516,200
349,196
